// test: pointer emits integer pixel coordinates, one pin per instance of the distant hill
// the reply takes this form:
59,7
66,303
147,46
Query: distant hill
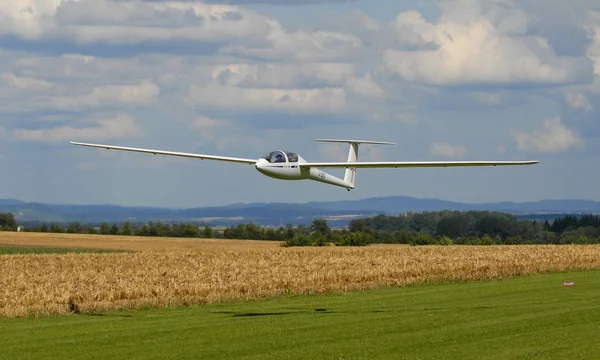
337,212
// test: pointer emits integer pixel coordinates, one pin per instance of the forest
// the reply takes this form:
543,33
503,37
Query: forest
423,228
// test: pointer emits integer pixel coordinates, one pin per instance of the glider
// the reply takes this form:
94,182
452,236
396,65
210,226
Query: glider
285,165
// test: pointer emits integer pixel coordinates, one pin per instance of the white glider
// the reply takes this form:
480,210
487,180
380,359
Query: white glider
284,165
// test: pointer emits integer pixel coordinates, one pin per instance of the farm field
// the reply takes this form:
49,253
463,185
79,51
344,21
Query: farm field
49,284
26,249
131,243
529,317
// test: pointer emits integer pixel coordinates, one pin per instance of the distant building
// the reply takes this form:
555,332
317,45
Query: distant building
20,228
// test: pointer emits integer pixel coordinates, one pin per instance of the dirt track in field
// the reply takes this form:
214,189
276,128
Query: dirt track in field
133,243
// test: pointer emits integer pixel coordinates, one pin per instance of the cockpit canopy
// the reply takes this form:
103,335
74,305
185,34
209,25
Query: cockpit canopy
280,157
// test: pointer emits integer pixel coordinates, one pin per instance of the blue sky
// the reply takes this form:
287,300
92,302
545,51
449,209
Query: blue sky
444,80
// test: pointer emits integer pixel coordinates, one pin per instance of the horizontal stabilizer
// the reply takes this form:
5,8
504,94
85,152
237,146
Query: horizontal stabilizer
356,141
410,164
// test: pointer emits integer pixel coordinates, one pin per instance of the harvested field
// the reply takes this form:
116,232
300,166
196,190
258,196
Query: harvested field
132,243
61,284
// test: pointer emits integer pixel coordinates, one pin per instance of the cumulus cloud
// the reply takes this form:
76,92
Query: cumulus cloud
447,150
24,82
553,137
578,101
273,99
74,83
209,128
320,45
365,86
475,42
272,2
140,94
117,127
263,67
303,87
126,22
593,52
283,75
487,97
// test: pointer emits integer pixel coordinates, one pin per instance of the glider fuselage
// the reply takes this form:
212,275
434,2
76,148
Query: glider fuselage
284,165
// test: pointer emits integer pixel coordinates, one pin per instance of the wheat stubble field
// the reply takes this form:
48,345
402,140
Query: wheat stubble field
219,271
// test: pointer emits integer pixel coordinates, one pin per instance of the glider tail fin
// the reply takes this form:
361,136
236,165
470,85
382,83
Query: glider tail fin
350,175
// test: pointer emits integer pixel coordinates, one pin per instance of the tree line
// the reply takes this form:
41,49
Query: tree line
423,228
128,229
478,227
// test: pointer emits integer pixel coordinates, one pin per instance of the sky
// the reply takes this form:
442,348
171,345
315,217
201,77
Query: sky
443,79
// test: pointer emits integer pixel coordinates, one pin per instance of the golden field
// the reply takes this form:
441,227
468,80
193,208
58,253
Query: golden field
61,284
133,243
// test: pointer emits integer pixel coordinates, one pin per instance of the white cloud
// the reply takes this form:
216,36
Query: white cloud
302,46
209,128
578,101
553,137
127,22
593,52
273,2
141,94
479,42
487,98
73,82
447,150
118,127
283,75
27,18
24,82
365,86
297,100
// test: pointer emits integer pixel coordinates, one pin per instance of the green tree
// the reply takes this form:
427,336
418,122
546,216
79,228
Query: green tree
357,225
454,226
114,229
320,226
8,222
104,228
487,240
422,239
208,232
444,240
300,240
355,238
127,229
74,228
55,228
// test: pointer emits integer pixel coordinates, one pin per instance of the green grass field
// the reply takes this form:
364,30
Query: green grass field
18,249
532,317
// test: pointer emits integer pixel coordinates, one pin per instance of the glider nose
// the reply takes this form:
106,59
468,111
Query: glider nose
260,164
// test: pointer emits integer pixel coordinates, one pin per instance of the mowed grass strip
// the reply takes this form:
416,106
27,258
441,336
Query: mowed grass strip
84,283
530,317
